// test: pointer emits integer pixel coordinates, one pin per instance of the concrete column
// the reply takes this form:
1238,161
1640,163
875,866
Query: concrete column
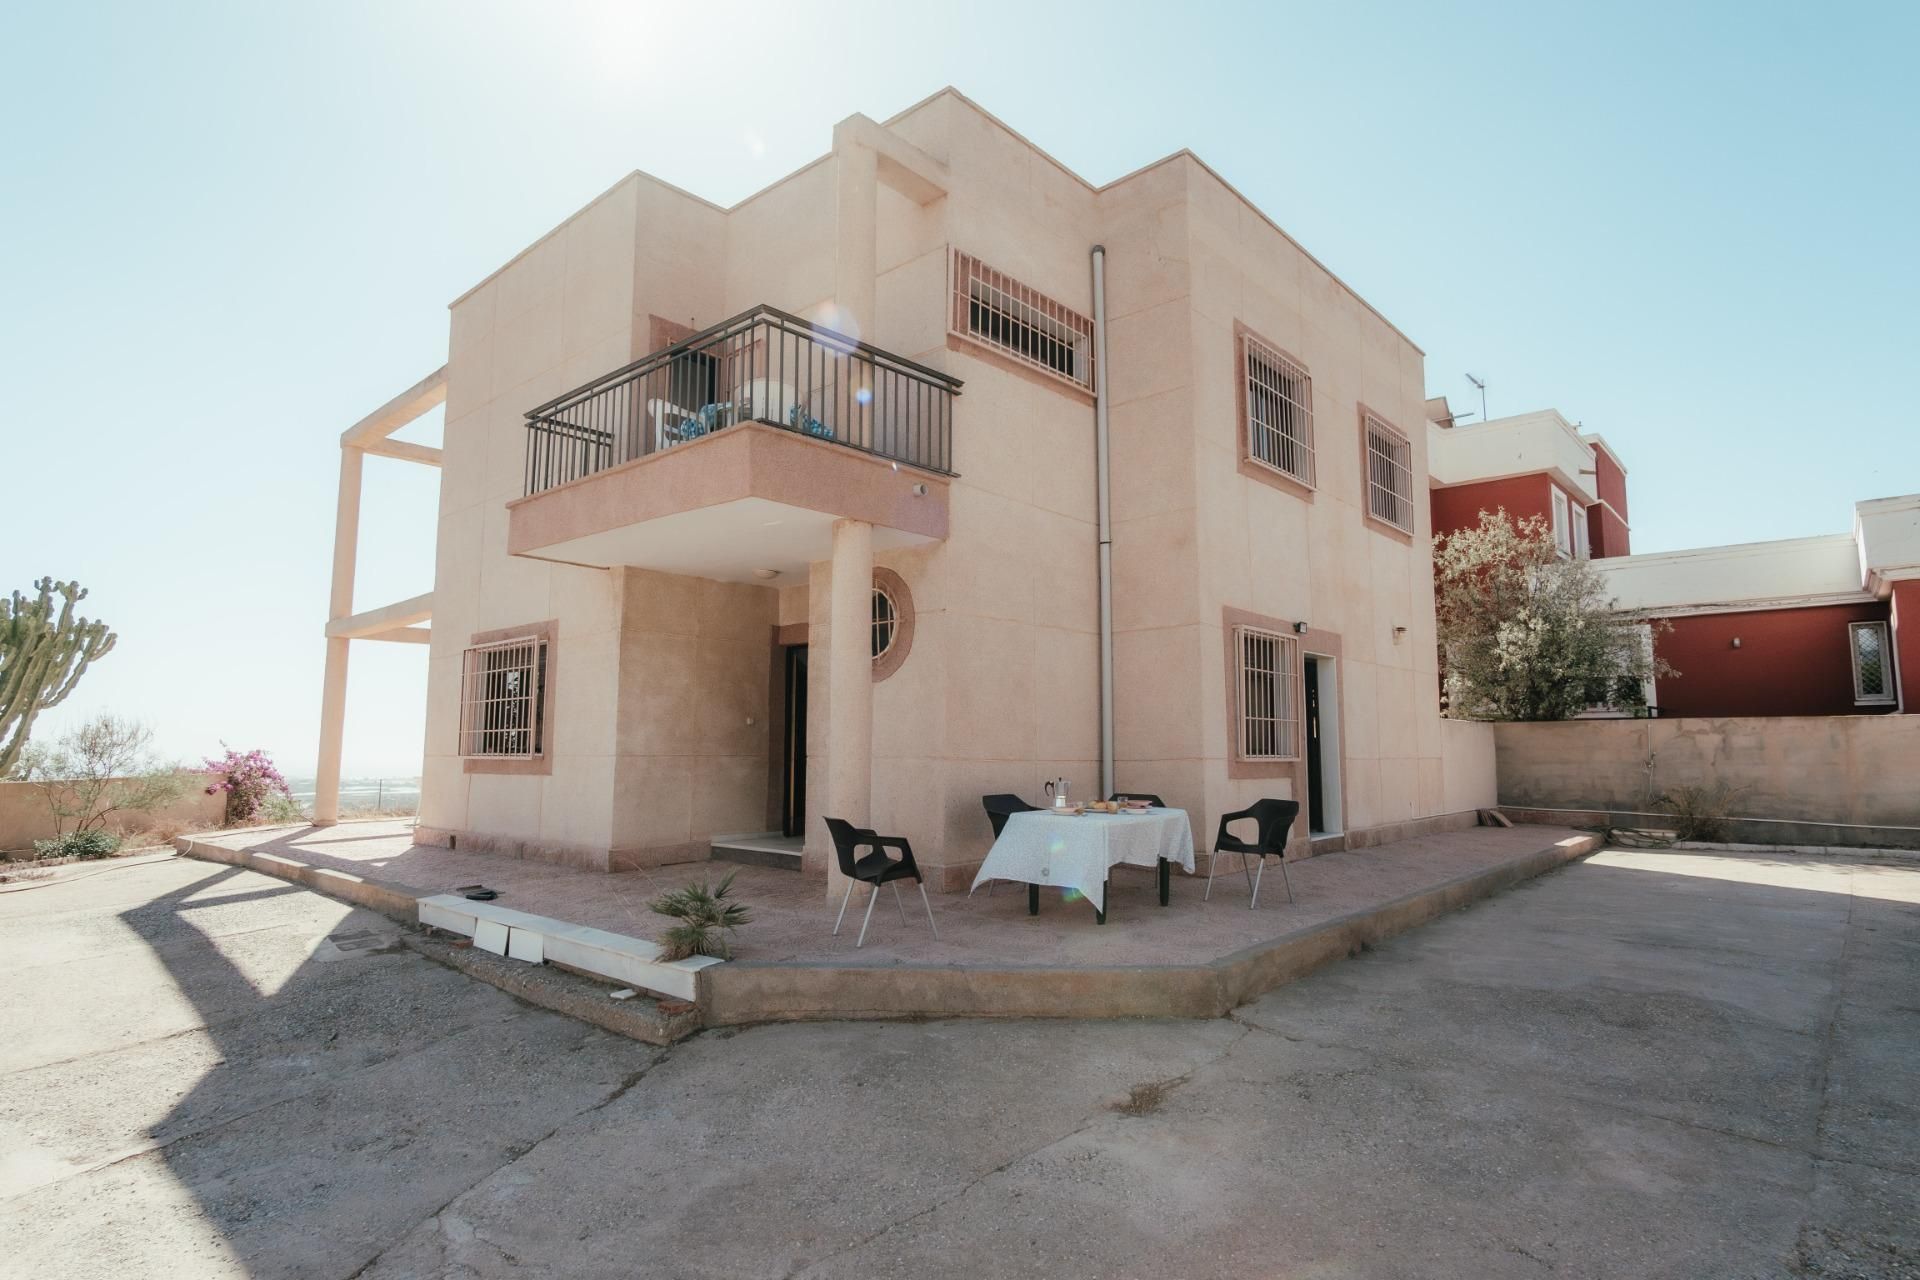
855,260
850,684
333,696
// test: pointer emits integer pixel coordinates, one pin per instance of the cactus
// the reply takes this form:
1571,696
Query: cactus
41,658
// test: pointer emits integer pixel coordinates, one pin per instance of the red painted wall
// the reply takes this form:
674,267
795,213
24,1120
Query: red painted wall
1459,507
1610,482
1791,662
1606,532
1906,643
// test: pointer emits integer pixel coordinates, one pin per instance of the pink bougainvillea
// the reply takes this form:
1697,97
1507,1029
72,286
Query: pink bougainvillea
248,778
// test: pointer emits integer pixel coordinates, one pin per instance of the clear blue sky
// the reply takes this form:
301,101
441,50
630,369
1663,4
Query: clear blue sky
231,230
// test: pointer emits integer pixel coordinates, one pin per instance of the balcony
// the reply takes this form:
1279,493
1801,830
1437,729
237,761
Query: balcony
763,366
733,452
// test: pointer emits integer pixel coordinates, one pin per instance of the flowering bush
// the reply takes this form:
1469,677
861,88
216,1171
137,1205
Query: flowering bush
248,778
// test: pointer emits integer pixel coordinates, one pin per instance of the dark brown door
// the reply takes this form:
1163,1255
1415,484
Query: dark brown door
793,772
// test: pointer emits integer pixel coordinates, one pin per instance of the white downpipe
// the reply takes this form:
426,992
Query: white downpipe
1101,472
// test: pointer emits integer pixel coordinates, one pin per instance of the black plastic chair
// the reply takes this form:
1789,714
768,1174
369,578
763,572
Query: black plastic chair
1002,806
875,870
1274,819
1152,800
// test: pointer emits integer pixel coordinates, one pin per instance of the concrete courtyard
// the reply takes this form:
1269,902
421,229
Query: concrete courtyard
1645,1064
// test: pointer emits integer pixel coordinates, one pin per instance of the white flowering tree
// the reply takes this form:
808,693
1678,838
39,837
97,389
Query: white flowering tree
1527,634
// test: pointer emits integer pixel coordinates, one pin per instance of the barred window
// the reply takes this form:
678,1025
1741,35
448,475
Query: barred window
1389,474
503,698
992,307
1872,673
1279,411
886,622
1268,702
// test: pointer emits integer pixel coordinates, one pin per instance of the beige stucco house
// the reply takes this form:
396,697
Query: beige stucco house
755,515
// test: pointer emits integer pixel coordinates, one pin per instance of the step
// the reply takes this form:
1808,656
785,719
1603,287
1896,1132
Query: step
763,849
520,935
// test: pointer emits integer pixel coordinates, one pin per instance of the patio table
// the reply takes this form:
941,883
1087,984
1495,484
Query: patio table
1040,847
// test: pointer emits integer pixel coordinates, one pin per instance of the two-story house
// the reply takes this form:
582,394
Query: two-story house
930,471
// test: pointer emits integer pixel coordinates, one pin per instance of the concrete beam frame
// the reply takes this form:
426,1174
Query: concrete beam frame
392,622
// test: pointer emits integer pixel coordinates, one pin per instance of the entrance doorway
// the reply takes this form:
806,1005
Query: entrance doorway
1324,811
793,740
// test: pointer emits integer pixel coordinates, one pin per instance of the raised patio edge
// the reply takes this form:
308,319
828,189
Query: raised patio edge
749,991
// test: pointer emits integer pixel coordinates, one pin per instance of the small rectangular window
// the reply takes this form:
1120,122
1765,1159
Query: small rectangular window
1562,522
993,308
1268,704
1581,549
1872,664
503,699
1389,474
1279,407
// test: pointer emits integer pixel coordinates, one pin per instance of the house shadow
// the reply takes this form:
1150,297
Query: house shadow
354,1087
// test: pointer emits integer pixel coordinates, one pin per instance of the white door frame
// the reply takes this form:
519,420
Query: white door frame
1326,670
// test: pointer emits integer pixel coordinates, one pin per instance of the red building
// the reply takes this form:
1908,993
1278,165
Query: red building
1801,626
1533,464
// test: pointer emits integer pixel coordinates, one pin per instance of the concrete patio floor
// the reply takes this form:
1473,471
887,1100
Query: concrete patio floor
793,915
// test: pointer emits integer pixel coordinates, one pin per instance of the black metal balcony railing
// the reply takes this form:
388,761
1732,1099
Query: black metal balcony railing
762,366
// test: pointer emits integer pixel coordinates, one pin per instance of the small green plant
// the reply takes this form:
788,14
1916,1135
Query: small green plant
1700,813
278,807
706,915
91,843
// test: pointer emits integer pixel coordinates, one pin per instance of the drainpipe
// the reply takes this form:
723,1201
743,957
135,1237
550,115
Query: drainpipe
1102,480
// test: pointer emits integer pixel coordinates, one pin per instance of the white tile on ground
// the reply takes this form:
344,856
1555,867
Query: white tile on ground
527,944
490,935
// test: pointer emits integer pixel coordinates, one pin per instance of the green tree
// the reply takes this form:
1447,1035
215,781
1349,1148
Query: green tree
100,769
1528,634
42,657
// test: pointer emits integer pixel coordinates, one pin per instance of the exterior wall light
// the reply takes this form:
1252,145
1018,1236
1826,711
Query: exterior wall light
1300,628
919,490
1736,642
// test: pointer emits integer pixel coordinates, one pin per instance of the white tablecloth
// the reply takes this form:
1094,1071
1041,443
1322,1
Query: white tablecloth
1045,848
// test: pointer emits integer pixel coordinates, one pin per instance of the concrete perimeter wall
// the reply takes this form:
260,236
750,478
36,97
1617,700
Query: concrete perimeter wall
24,816
1849,771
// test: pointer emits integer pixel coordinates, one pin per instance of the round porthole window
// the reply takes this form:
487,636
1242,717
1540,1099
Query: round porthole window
892,622
886,622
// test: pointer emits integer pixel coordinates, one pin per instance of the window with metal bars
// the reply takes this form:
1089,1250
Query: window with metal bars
1872,671
1279,411
1269,704
992,307
1389,474
503,699
886,622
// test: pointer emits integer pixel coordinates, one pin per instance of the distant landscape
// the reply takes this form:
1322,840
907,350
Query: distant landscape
365,795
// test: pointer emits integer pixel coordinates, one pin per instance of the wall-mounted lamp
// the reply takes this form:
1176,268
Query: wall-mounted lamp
1398,632
919,490
766,574
1299,628
1736,642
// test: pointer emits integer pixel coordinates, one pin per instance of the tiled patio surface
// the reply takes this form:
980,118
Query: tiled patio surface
793,918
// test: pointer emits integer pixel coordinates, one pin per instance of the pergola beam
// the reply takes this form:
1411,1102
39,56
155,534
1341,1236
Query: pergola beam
369,623
426,394
391,622
406,451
